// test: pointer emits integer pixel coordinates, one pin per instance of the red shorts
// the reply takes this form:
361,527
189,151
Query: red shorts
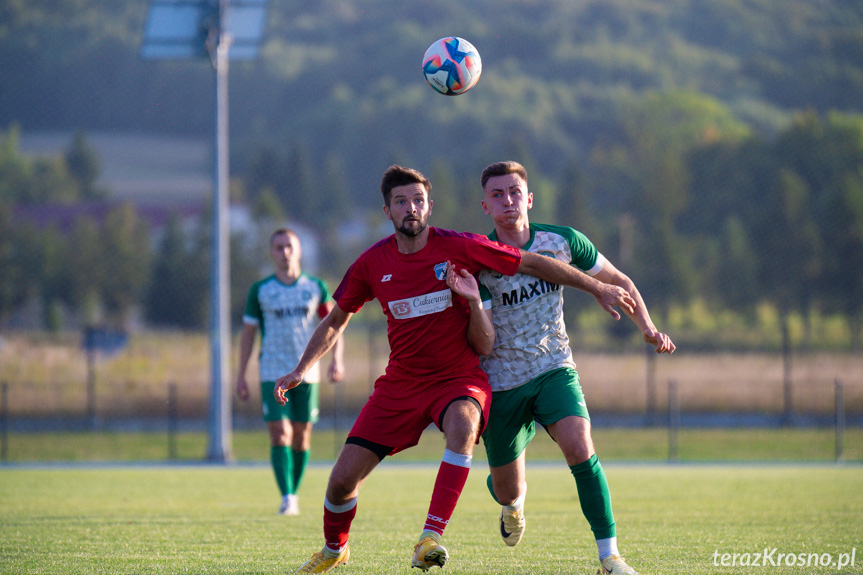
400,408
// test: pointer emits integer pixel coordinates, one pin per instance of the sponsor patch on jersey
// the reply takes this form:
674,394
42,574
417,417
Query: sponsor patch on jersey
421,305
440,271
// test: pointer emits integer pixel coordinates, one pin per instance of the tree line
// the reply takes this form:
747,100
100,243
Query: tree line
338,75
713,214
711,148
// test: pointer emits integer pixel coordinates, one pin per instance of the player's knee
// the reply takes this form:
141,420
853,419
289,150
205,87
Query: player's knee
506,493
461,435
341,487
280,435
462,417
578,452
302,436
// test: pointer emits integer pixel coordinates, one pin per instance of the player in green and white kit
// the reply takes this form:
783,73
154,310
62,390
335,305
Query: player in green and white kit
287,307
531,370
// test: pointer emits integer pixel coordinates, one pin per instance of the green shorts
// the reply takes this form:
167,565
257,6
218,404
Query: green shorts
514,413
302,403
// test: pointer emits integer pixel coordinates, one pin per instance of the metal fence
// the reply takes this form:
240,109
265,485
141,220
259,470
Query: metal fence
139,389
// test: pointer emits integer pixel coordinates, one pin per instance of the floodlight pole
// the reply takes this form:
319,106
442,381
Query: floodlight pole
195,29
219,449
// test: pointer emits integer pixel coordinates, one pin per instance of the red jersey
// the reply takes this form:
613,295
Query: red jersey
426,325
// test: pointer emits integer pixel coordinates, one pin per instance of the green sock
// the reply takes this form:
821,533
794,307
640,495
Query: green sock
594,496
282,468
300,459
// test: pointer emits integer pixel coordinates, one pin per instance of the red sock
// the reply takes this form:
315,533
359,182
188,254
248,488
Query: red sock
451,477
337,523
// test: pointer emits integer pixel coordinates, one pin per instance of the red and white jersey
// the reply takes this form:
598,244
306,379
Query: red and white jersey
426,325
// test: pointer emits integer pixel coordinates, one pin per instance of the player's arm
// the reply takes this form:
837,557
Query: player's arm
337,366
480,331
640,316
247,342
323,339
555,271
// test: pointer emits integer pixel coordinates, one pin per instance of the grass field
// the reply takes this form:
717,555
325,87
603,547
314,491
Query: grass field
198,519
641,445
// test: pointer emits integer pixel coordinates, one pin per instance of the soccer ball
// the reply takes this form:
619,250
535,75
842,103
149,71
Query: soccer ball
452,66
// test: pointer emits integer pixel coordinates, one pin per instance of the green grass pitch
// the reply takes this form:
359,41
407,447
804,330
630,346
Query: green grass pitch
676,520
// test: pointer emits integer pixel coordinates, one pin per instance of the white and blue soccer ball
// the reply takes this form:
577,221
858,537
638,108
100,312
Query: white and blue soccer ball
452,66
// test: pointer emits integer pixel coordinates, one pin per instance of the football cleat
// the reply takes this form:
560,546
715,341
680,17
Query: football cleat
320,563
290,505
512,525
428,553
615,565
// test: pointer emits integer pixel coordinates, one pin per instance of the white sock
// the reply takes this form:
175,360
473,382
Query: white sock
607,547
518,503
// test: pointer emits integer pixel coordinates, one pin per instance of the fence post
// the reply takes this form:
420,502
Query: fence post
91,389
787,390
172,421
651,387
840,421
4,421
673,421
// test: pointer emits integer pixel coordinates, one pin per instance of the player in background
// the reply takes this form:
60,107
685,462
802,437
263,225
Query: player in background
423,279
286,306
531,369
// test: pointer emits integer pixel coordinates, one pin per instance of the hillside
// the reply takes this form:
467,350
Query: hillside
342,79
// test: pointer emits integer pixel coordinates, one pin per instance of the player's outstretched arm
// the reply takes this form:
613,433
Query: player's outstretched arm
480,331
640,316
336,371
551,270
323,338
247,342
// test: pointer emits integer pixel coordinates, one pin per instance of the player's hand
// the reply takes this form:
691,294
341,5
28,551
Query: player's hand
336,372
285,383
462,282
242,388
660,341
611,295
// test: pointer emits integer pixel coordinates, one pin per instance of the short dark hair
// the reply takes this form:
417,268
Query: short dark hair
502,169
396,176
283,231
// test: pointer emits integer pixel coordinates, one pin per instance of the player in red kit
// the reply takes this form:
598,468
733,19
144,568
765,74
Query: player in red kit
436,325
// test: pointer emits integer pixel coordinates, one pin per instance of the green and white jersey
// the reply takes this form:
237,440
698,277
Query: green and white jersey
287,315
527,312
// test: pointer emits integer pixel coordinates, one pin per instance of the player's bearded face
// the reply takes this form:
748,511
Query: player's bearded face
413,225
409,210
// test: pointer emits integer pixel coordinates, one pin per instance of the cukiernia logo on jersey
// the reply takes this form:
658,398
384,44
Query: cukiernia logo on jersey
421,305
